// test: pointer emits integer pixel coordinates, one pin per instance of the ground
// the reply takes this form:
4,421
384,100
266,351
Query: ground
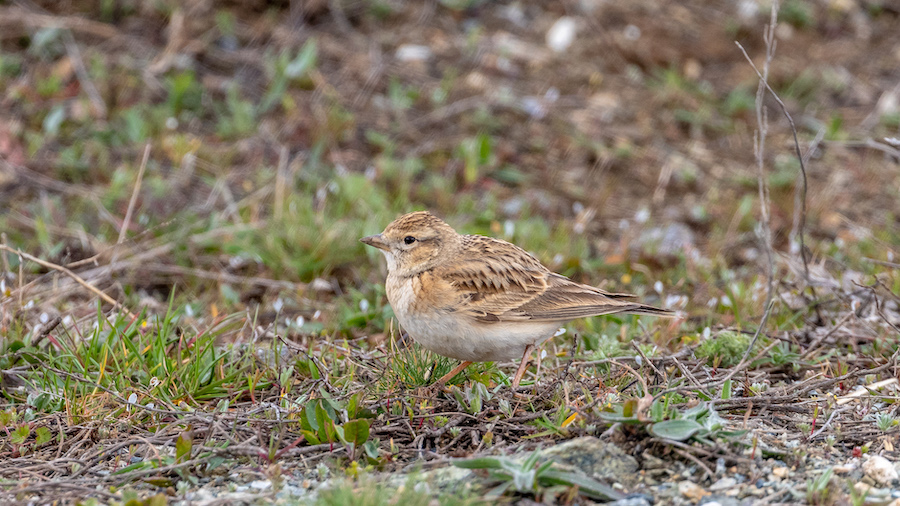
187,313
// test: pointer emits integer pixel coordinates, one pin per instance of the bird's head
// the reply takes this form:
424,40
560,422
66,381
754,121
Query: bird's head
414,242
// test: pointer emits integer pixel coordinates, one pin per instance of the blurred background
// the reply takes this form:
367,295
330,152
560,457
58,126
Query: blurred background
614,140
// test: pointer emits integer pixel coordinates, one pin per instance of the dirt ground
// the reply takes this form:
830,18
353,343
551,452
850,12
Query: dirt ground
618,137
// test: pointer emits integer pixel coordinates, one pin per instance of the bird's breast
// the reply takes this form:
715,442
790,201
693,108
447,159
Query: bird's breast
419,306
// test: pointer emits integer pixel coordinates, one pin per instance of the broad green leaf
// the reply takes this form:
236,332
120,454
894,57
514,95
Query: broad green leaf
587,486
310,436
356,432
183,446
42,435
726,390
309,416
678,430
19,435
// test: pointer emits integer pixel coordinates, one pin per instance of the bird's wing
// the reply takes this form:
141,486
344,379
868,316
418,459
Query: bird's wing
495,281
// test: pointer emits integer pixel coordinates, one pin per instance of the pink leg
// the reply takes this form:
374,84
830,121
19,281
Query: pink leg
522,366
447,377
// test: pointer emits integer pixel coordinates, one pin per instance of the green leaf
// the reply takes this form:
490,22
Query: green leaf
352,405
42,435
678,430
356,432
183,446
19,435
587,486
697,412
310,436
479,463
53,120
304,61
629,408
309,415
726,390
484,149
371,448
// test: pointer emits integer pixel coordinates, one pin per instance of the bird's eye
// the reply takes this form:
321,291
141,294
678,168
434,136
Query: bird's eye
409,239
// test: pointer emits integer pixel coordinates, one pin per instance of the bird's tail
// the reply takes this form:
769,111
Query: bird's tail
651,311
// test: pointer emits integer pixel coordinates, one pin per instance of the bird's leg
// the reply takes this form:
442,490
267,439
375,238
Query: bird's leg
447,377
522,366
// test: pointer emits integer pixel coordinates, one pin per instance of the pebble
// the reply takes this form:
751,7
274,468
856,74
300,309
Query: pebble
845,468
723,484
261,484
561,35
638,500
692,491
413,52
880,469
780,472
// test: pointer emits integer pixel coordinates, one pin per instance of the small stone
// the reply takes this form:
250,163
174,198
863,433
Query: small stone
561,35
723,484
844,468
412,53
692,491
719,501
880,469
321,285
780,472
261,484
633,500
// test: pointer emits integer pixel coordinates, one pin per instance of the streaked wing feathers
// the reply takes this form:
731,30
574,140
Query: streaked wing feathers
498,281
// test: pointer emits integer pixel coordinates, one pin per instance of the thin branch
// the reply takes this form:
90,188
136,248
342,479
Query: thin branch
764,81
71,274
134,193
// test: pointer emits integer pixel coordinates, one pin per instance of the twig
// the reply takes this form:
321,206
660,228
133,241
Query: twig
52,324
827,422
3,240
815,344
635,373
281,181
83,77
848,376
646,360
687,374
695,460
18,16
744,362
69,273
892,265
790,119
134,193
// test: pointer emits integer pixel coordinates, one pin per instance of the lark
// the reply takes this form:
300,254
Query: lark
477,299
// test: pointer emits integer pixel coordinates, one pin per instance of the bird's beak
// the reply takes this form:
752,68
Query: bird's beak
376,241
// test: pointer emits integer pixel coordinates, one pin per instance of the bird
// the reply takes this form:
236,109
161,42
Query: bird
475,298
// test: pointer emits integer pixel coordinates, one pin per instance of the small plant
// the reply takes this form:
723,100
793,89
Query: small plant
320,422
700,423
821,490
472,398
415,366
528,477
476,155
726,349
885,421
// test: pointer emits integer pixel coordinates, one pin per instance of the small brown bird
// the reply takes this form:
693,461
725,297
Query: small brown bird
479,299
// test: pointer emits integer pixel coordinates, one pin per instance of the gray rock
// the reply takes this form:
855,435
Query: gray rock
718,500
633,500
594,458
